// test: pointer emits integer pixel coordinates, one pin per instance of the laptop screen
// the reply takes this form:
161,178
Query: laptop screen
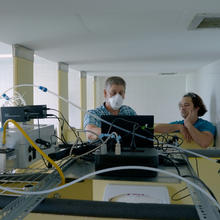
137,130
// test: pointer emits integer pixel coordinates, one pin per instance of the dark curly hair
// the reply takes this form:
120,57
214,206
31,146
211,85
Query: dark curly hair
197,102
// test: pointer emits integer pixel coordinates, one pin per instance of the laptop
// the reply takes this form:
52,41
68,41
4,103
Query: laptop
136,131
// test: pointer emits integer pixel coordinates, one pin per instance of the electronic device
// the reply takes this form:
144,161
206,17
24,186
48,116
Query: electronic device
136,130
136,141
23,113
148,157
7,159
20,150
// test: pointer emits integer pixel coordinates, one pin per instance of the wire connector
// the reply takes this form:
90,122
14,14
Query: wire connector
44,89
5,96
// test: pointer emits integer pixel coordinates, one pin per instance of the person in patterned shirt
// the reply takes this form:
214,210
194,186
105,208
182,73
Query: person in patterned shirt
114,94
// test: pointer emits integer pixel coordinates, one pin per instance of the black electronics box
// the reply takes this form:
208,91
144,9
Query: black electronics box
147,157
23,113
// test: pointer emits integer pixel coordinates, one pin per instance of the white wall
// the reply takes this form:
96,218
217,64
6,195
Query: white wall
6,77
206,83
46,74
74,97
6,71
151,95
90,91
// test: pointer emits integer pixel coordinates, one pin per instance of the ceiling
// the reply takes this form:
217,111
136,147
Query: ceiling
113,36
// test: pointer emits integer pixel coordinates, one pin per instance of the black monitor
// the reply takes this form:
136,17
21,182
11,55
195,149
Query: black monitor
137,130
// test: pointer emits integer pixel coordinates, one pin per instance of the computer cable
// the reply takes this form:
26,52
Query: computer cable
169,140
175,163
72,129
196,178
182,150
46,144
207,194
48,165
120,119
61,127
62,135
33,144
133,144
96,148
40,141
64,141
163,161
64,144
146,129
175,140
189,152
38,124
184,161
78,150
44,89
112,124
133,132
197,166
62,138
92,132
160,143
202,182
179,191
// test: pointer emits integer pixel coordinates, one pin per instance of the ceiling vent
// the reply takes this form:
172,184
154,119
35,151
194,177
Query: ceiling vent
202,21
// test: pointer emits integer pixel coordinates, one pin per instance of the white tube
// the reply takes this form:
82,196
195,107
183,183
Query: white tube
114,169
110,169
191,152
84,110
95,116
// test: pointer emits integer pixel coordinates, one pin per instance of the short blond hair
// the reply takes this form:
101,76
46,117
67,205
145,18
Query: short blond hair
115,80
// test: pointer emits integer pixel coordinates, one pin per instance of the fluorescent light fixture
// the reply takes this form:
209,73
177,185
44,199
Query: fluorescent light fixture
5,56
205,20
167,74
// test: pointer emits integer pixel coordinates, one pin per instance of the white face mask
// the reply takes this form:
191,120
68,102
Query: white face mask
116,101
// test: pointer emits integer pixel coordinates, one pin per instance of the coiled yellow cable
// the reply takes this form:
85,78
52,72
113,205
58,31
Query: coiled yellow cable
34,145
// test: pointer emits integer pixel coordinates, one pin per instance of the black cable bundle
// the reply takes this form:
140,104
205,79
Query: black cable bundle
76,150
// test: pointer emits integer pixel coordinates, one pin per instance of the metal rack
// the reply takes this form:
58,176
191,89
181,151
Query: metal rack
32,179
204,206
38,178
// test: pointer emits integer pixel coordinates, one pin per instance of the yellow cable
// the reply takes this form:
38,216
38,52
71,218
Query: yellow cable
34,145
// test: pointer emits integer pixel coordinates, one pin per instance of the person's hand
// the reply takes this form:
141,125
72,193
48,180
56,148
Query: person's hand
191,117
184,131
92,132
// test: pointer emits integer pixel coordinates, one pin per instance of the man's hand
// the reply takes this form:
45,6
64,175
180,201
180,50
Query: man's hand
93,132
184,131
